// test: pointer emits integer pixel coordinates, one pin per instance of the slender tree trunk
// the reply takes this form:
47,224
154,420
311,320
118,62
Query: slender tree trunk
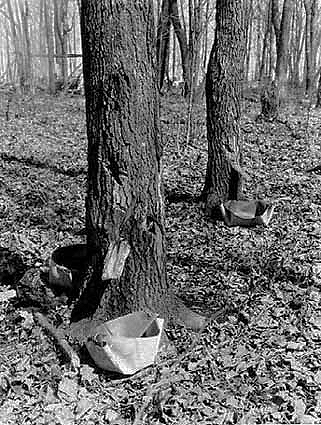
258,46
16,43
74,43
271,61
9,67
42,41
282,47
61,32
195,42
299,42
249,34
182,41
206,33
223,92
191,49
274,92
124,207
2,65
50,47
318,103
268,28
309,6
163,42
174,57
64,42
24,12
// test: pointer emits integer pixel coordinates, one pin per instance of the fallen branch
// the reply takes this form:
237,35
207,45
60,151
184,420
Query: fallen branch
59,339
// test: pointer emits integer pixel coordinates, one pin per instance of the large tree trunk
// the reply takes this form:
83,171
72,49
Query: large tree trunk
124,200
223,91
124,207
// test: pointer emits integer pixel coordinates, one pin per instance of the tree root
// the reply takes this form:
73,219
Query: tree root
180,313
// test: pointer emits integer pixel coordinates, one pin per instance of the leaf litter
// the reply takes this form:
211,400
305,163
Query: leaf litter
260,362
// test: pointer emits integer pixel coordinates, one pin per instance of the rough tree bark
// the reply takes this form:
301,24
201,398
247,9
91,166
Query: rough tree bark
124,206
223,92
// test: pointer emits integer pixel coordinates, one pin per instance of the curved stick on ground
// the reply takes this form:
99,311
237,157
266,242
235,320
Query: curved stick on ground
59,339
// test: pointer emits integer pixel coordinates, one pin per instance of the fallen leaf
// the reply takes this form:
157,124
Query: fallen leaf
87,374
68,390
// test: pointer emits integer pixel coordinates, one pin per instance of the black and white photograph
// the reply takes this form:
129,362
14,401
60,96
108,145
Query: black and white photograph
160,212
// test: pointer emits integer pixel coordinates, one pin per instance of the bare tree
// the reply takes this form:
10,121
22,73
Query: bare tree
162,42
124,209
50,46
282,31
223,92
61,30
310,9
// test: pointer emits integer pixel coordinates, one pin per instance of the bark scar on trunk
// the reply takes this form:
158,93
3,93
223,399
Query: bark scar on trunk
115,258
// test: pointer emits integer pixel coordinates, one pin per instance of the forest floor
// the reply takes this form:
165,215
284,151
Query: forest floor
260,362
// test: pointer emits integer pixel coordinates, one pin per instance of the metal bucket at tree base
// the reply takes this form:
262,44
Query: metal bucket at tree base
66,263
126,344
246,213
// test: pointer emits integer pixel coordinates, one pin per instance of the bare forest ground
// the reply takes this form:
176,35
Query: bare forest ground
259,362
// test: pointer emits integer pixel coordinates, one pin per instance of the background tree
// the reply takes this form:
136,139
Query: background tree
50,47
318,102
223,92
124,208
282,33
310,9
276,90
188,32
162,42
61,33
36,40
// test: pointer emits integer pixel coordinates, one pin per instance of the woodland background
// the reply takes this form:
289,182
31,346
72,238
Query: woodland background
260,362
